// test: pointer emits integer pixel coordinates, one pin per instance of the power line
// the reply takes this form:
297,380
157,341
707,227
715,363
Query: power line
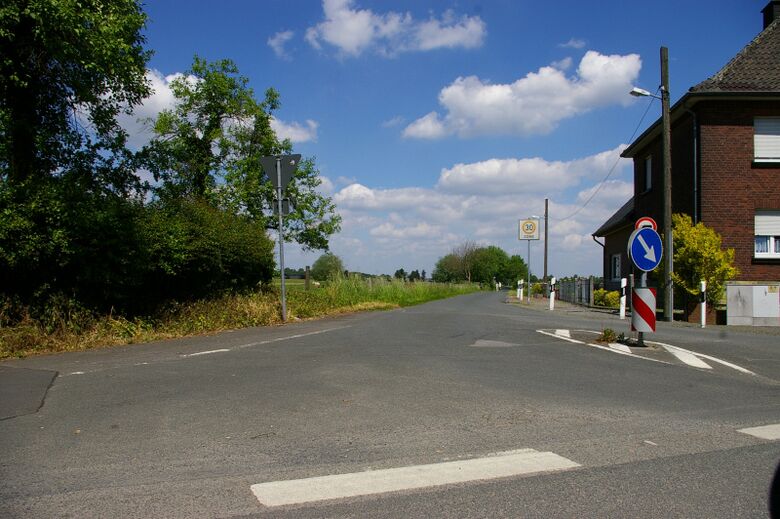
611,170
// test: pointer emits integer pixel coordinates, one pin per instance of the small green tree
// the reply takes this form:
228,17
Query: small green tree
698,255
327,267
447,270
400,274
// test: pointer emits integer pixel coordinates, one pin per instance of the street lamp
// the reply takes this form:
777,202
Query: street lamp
667,162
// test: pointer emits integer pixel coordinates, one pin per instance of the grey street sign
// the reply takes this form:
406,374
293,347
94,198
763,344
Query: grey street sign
288,164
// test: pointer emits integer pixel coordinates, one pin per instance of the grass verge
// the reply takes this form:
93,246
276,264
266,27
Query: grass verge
68,328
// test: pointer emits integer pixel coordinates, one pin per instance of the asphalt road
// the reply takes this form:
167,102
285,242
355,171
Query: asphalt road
184,428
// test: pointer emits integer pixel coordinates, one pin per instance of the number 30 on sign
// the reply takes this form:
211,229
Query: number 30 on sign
528,229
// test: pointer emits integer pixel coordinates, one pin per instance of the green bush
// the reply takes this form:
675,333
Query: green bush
193,250
602,297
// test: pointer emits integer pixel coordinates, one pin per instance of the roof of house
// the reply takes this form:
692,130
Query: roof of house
756,68
623,217
753,72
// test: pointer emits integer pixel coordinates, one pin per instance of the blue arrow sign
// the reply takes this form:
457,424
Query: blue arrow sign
645,249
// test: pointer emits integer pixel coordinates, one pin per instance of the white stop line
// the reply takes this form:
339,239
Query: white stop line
501,465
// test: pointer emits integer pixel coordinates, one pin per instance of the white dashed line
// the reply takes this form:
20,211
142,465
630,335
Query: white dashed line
205,352
501,465
765,432
287,338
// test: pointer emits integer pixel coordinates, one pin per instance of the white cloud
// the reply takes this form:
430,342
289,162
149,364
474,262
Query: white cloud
294,131
278,41
413,227
532,105
353,30
449,32
527,175
139,124
611,191
573,43
427,127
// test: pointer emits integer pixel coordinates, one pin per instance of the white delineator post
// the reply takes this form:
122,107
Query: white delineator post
703,287
623,284
552,293
520,290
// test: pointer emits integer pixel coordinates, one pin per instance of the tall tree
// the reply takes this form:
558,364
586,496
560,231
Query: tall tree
67,69
465,255
209,145
448,269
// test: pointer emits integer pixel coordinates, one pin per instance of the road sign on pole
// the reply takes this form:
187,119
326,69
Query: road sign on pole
280,170
646,221
287,165
528,229
645,249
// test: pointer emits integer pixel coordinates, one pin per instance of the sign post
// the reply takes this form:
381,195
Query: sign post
528,230
623,283
703,288
280,170
645,250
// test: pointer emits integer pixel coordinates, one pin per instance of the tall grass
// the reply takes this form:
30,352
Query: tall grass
65,326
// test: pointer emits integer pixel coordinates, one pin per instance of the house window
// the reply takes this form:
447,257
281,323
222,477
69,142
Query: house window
614,267
648,173
767,234
766,139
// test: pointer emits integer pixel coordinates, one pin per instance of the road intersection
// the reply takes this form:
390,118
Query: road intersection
404,400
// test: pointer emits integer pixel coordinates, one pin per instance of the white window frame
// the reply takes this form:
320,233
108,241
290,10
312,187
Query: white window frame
766,224
614,267
648,173
766,139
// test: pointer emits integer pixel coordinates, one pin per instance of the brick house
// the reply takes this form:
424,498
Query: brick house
725,144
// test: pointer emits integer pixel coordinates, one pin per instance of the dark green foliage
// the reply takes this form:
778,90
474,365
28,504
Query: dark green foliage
480,264
194,250
79,230
209,146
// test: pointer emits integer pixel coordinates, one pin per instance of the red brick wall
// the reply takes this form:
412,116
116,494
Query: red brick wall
732,186
616,243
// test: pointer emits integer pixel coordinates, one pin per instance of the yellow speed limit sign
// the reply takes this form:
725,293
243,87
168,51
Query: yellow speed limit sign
528,229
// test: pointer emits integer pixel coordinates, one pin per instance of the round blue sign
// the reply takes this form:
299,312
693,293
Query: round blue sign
645,249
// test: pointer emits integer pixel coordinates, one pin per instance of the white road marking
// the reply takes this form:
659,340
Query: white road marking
686,357
76,373
619,347
287,338
598,346
709,357
563,333
692,358
765,432
206,352
491,344
501,465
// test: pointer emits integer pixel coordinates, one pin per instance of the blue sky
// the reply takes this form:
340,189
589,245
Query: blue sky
437,122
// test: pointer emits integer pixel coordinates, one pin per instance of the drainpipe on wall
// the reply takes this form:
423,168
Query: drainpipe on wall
695,165
594,239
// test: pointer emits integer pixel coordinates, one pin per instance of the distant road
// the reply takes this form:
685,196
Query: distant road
457,408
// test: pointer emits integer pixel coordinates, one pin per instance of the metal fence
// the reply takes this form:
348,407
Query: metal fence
578,291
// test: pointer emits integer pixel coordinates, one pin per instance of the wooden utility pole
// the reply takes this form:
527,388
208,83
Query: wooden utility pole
545,239
667,159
